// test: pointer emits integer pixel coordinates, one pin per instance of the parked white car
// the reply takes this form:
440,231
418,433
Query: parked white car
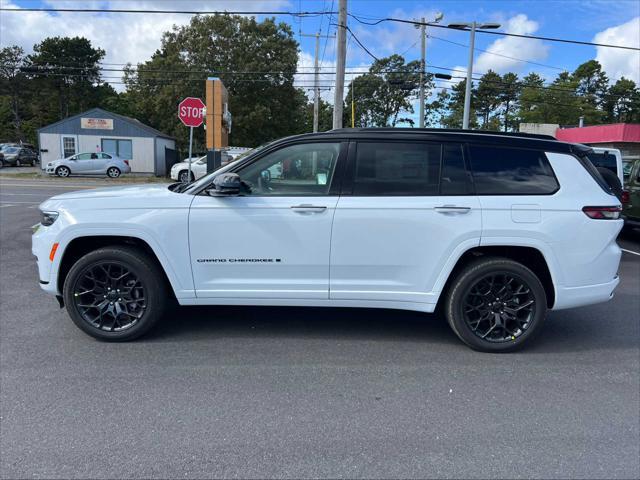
99,163
484,225
609,158
180,171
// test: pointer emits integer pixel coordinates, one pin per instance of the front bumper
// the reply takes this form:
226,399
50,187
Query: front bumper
42,241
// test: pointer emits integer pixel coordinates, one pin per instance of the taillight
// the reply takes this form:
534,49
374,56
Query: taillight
626,198
603,213
127,162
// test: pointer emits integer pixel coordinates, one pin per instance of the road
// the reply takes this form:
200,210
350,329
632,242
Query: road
293,392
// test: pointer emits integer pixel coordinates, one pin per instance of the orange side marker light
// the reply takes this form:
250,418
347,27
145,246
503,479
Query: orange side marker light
52,254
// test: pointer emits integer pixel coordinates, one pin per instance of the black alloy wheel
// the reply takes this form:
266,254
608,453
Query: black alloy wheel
116,293
495,304
109,296
499,307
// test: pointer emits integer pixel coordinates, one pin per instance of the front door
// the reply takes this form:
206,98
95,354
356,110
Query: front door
273,242
82,163
68,145
408,214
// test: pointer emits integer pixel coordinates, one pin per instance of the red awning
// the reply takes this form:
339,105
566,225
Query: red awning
617,132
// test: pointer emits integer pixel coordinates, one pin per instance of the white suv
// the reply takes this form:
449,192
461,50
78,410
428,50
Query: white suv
495,229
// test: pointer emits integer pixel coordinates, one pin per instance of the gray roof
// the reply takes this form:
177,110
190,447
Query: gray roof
73,127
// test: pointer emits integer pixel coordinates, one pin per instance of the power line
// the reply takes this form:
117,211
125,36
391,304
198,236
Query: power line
181,12
492,32
361,45
306,14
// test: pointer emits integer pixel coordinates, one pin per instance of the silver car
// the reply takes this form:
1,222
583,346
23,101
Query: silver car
89,164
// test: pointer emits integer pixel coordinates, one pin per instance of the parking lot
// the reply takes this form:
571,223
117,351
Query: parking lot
294,392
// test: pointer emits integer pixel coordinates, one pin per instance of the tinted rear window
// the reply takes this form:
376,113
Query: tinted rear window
511,171
397,168
604,160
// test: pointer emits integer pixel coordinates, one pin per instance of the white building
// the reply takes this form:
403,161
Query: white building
96,130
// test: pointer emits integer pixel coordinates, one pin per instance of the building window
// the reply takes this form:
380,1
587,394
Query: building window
119,148
68,146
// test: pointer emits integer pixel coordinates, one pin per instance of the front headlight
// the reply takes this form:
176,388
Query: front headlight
48,217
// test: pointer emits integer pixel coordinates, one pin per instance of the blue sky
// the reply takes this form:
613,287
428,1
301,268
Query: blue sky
134,37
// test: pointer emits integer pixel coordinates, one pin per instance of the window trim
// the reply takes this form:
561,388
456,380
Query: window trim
336,180
511,194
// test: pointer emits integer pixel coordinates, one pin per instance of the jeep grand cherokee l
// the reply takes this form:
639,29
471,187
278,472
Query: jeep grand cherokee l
495,229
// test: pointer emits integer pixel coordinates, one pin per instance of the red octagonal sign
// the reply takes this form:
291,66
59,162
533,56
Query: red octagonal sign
191,112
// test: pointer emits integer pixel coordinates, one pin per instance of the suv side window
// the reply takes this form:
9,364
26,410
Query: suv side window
455,178
511,171
297,170
397,169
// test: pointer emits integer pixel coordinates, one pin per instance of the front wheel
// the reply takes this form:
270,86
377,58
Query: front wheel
63,172
115,293
113,172
183,176
496,305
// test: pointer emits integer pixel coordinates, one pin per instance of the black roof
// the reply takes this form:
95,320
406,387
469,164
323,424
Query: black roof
513,139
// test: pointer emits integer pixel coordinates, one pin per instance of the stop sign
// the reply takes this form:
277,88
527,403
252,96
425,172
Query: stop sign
191,112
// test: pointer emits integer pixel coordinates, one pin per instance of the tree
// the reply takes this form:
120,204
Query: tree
622,102
255,60
385,92
70,68
508,96
487,97
455,107
12,86
591,85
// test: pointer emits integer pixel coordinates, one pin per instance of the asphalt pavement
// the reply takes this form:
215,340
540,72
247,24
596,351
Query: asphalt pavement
240,392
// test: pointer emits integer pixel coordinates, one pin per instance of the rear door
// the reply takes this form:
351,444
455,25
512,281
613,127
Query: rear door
406,214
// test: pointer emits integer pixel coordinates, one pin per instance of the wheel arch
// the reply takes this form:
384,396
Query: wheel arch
79,246
529,256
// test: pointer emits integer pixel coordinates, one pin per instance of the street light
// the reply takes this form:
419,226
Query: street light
467,94
423,37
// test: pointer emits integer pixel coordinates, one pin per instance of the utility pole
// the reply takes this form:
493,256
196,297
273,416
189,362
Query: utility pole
423,61
423,38
467,93
340,64
316,78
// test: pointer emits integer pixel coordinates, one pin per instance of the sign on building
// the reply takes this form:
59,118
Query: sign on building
96,123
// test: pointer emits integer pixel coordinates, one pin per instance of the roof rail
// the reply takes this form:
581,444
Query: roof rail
445,130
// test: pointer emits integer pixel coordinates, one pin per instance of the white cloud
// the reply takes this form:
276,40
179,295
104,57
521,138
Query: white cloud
125,37
617,62
515,47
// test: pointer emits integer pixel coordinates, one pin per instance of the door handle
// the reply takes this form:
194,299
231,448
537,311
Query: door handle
304,208
452,209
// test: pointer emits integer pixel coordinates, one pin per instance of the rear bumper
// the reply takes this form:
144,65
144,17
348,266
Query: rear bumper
570,297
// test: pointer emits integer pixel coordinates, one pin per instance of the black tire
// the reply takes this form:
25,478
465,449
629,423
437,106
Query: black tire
63,171
147,277
466,305
1,163
183,176
113,172
18,163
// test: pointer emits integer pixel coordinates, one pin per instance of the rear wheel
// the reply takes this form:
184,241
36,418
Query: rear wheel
496,305
18,163
63,171
115,293
113,172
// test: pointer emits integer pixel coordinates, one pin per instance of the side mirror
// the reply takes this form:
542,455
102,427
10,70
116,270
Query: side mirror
227,184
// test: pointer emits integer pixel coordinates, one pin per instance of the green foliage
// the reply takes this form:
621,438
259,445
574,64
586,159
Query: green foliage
265,106
385,92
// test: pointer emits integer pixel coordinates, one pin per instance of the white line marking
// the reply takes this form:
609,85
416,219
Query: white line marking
3,206
28,194
29,203
630,251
